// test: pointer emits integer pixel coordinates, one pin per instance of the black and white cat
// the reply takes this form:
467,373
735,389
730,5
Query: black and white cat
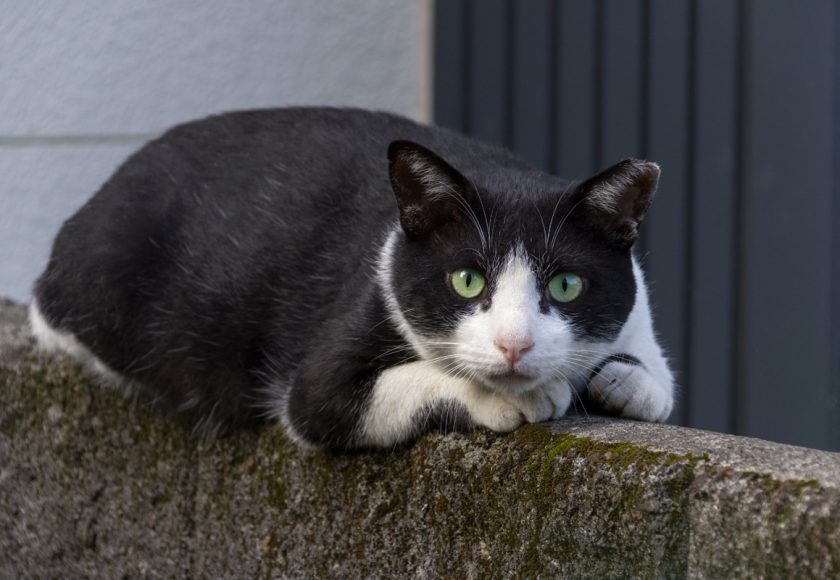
254,265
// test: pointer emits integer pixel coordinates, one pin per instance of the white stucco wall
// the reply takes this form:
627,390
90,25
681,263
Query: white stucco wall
82,84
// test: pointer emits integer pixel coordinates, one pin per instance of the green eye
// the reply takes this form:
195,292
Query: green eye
467,283
565,287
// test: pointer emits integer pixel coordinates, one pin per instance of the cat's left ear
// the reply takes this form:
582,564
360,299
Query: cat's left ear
618,198
429,191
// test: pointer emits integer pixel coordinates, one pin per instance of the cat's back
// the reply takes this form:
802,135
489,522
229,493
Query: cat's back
226,235
304,166
215,208
247,191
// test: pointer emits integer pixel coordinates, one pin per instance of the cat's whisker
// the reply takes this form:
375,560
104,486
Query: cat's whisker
551,220
571,383
542,224
467,210
580,400
566,217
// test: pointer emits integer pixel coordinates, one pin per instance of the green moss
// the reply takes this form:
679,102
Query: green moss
558,460
543,442
771,484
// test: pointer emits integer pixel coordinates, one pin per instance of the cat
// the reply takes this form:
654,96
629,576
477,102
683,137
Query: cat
359,277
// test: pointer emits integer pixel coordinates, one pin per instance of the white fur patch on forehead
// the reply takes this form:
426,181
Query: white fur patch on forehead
517,265
516,287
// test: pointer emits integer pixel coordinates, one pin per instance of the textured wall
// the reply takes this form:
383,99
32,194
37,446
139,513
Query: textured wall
84,84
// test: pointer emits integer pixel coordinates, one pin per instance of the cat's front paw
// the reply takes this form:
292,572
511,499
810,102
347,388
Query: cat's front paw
560,394
505,413
493,410
629,390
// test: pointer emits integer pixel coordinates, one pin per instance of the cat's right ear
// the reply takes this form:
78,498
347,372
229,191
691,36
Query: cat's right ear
429,191
618,198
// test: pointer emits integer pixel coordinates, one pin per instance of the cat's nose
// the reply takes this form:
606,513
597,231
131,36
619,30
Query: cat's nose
514,348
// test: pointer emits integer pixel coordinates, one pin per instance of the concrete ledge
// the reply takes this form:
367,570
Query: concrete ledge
93,485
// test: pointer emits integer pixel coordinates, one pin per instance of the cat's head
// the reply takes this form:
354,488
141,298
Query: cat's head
511,277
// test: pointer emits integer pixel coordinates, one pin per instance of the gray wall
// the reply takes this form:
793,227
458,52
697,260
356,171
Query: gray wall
83,84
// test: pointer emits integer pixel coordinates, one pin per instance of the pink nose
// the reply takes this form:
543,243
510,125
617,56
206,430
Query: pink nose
513,349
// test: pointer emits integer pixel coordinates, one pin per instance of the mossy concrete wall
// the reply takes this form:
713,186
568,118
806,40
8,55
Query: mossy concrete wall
94,485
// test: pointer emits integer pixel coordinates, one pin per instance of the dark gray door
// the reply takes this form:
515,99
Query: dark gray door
737,101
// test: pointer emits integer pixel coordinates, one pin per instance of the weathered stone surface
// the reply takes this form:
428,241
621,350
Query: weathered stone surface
94,485
90,485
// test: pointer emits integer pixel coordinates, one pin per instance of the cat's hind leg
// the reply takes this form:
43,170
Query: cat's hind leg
634,380
54,340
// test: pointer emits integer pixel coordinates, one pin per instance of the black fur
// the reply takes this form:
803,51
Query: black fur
627,359
444,416
231,262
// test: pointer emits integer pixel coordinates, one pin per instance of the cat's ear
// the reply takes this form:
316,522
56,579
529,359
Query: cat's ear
618,198
429,191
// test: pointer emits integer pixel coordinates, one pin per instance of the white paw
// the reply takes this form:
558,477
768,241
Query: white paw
560,394
506,412
536,405
492,410
631,391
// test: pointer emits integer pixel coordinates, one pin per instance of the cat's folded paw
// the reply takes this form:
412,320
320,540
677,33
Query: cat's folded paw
494,411
629,390
560,394
535,405
506,412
